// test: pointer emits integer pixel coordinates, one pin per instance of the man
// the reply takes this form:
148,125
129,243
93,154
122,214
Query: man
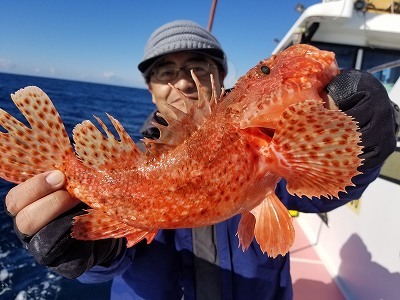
201,263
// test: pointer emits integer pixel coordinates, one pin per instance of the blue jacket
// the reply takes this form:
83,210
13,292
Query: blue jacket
164,269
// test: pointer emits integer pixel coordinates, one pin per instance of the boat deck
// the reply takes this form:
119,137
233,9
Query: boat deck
309,275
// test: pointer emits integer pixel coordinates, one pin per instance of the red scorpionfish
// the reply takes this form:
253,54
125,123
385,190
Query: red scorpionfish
219,158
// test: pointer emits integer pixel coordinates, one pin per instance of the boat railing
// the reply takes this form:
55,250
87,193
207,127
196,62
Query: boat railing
391,64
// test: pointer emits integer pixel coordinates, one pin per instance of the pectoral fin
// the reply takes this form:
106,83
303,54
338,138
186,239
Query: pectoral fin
316,150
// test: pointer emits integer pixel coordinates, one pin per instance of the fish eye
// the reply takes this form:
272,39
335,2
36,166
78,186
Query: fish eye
265,70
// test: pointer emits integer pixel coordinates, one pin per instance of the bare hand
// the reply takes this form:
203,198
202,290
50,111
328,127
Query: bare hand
39,200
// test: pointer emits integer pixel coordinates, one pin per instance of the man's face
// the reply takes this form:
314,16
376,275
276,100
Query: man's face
160,89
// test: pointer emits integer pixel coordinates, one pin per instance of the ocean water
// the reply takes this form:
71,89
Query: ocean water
20,276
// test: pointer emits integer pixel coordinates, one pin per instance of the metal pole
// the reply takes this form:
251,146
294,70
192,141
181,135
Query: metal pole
212,13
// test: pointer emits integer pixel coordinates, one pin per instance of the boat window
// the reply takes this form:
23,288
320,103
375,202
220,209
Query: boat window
384,64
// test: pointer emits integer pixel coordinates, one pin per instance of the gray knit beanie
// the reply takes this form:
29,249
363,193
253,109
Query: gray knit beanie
181,35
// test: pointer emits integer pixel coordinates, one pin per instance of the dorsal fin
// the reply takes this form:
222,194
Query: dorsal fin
182,124
96,150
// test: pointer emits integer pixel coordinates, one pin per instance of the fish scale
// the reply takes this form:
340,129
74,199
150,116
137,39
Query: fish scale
219,158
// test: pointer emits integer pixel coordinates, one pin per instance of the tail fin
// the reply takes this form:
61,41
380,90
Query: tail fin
27,151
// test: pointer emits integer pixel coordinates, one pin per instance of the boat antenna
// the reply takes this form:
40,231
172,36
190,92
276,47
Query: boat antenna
212,13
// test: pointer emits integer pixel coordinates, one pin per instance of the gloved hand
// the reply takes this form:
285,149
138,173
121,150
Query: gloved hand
362,96
54,247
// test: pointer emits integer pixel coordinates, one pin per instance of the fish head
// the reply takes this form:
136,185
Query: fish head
283,118
296,74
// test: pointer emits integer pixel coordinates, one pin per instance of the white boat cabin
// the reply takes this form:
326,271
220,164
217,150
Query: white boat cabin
359,242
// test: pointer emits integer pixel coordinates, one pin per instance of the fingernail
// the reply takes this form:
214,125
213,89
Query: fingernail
54,178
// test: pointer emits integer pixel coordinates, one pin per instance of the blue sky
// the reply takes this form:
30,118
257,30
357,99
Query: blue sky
103,41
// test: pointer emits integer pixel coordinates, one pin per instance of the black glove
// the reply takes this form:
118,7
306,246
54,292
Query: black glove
362,96
54,247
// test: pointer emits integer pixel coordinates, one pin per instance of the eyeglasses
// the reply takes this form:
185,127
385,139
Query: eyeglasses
167,73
